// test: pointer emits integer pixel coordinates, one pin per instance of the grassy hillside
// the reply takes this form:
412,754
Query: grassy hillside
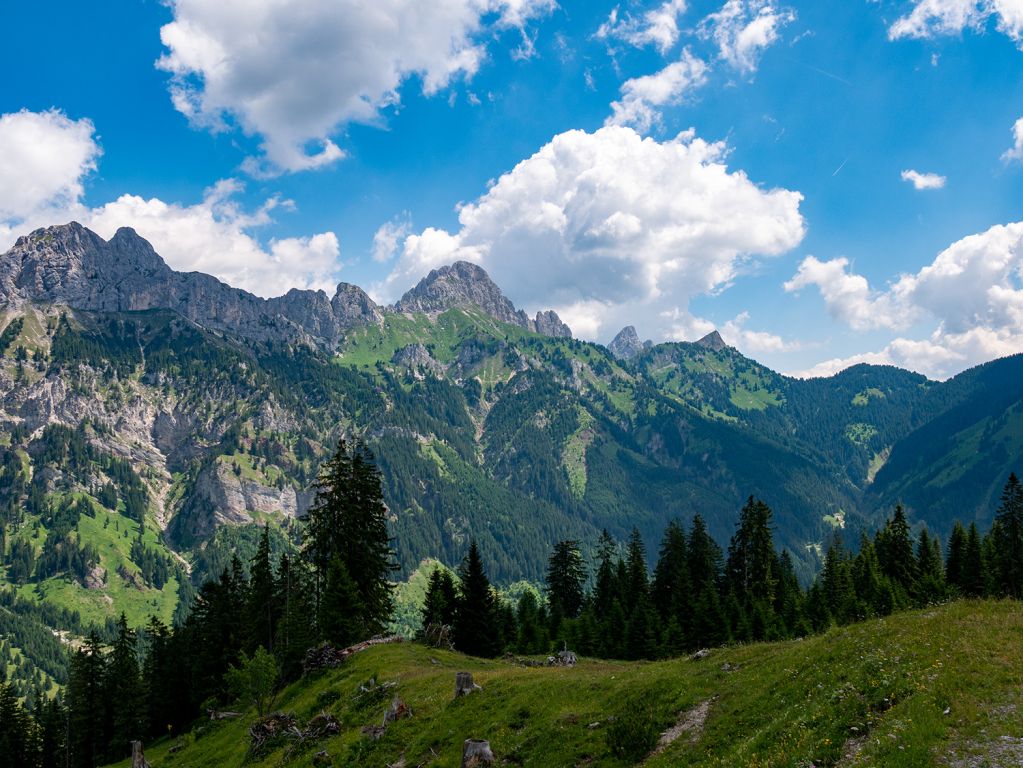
940,687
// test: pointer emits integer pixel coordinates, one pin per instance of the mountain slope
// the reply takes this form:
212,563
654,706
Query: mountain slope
152,422
928,688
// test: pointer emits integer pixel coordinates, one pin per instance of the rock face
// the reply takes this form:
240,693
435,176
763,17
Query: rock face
73,266
626,345
713,341
463,284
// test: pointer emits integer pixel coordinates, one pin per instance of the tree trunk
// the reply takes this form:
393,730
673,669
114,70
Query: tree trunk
476,753
138,759
464,684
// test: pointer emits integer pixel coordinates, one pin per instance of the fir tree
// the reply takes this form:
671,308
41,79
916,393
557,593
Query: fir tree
85,705
262,610
955,562
295,632
341,609
566,580
1007,536
975,571
122,693
476,630
930,584
671,587
895,553
531,637
441,602
349,521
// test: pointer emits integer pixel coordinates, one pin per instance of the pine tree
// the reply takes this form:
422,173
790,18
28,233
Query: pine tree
930,585
671,587
86,726
441,602
341,610
839,591
122,692
1007,535
867,580
607,589
975,576
637,584
295,631
349,520
17,731
751,555
262,609
476,630
895,554
532,635
566,580
955,562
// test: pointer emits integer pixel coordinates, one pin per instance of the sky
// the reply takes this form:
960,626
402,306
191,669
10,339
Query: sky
825,183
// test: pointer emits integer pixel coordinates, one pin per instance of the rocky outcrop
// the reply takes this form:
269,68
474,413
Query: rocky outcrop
713,341
626,345
464,284
418,357
72,266
549,324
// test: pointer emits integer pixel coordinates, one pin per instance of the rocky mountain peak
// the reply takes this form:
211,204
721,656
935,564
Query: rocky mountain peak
464,284
626,344
713,341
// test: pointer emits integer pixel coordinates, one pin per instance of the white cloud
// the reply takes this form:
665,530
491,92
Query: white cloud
751,342
657,26
924,180
1015,152
971,293
931,18
643,96
44,158
295,72
215,236
743,29
848,296
611,228
389,236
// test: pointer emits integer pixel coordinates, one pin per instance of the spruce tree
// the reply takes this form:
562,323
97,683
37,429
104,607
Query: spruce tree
476,630
1007,535
532,636
839,591
295,631
671,587
441,602
86,726
955,562
930,584
566,580
262,610
122,693
341,610
975,576
348,520
895,553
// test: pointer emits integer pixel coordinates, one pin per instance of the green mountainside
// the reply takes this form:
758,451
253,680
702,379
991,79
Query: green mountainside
151,423
936,687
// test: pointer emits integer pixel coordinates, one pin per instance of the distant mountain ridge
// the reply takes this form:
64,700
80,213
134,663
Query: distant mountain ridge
132,394
69,264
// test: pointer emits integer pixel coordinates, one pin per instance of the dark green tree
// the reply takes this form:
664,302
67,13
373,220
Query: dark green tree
262,609
122,693
476,628
341,618
441,602
1007,536
566,580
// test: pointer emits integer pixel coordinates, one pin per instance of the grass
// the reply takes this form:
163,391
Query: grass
862,398
882,687
573,457
106,531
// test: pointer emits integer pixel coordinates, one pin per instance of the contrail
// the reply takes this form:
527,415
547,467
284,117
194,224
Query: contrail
839,168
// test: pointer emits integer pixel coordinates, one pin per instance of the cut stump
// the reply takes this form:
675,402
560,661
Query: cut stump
476,753
464,684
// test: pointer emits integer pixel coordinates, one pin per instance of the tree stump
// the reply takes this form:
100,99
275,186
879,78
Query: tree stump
476,753
398,710
464,684
138,759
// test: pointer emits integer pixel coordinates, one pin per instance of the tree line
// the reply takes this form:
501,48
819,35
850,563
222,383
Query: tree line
249,630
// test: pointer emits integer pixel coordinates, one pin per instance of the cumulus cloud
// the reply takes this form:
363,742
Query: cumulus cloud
924,180
44,159
388,237
657,27
931,18
1015,153
215,236
642,97
743,29
612,228
294,73
971,293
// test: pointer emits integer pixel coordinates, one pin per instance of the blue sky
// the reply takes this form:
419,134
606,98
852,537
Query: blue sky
750,178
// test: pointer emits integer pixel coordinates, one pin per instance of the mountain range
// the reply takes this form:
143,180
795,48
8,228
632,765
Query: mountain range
152,421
